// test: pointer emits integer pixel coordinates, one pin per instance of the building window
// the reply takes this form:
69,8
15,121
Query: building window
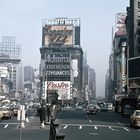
139,23
138,5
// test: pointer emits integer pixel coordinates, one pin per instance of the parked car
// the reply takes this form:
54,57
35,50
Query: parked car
79,107
110,107
15,111
6,112
135,119
91,109
1,115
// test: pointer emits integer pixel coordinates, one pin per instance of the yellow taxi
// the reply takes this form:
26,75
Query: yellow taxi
1,115
135,119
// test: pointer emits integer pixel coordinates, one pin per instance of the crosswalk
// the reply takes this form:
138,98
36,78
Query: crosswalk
97,127
7,125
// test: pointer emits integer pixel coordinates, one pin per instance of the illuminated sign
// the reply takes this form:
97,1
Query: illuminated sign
55,58
62,21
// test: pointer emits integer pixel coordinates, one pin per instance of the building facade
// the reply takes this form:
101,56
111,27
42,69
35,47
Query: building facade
10,57
61,57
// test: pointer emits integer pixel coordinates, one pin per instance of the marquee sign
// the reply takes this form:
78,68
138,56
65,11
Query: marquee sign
58,65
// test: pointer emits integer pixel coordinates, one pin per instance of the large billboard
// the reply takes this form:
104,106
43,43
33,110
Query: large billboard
120,23
57,35
57,66
62,88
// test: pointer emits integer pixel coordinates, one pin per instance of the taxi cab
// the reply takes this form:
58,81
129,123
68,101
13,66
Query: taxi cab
1,115
135,119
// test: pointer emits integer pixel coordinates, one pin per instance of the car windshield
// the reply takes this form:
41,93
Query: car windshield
4,109
137,113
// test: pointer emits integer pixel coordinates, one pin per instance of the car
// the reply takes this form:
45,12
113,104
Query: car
91,109
127,110
104,108
1,115
79,107
135,119
15,111
6,112
110,106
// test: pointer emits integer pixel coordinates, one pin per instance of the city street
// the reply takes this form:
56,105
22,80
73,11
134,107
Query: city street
104,125
75,125
9,130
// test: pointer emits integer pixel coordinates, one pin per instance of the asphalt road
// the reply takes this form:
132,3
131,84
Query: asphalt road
9,130
76,125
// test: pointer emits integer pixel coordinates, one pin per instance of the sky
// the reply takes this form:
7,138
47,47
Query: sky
23,19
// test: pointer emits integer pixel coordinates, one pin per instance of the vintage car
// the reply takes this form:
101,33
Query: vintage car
135,119
91,109
6,112
1,115
79,107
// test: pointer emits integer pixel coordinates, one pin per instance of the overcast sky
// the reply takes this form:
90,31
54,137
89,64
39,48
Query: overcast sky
23,19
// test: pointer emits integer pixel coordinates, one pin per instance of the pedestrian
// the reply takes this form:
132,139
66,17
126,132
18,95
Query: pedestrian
42,115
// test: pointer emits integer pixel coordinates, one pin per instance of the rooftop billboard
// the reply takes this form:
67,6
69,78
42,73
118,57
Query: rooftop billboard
57,35
62,87
120,23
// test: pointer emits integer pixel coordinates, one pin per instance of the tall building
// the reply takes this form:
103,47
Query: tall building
10,57
28,73
28,77
60,46
92,83
133,41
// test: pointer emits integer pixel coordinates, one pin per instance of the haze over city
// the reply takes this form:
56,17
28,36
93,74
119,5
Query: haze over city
23,19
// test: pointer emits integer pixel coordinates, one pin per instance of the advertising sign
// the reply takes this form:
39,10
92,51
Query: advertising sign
62,21
58,35
57,66
4,71
120,24
63,88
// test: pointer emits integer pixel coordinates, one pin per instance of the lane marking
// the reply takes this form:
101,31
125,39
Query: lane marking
113,129
65,126
6,126
119,122
126,129
90,121
9,123
95,127
80,127
93,133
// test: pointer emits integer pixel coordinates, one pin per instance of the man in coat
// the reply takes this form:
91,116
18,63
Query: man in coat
42,114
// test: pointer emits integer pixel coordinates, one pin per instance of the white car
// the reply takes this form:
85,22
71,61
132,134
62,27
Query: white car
135,119
79,107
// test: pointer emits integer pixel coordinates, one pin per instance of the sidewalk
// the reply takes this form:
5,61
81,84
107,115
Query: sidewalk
34,123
